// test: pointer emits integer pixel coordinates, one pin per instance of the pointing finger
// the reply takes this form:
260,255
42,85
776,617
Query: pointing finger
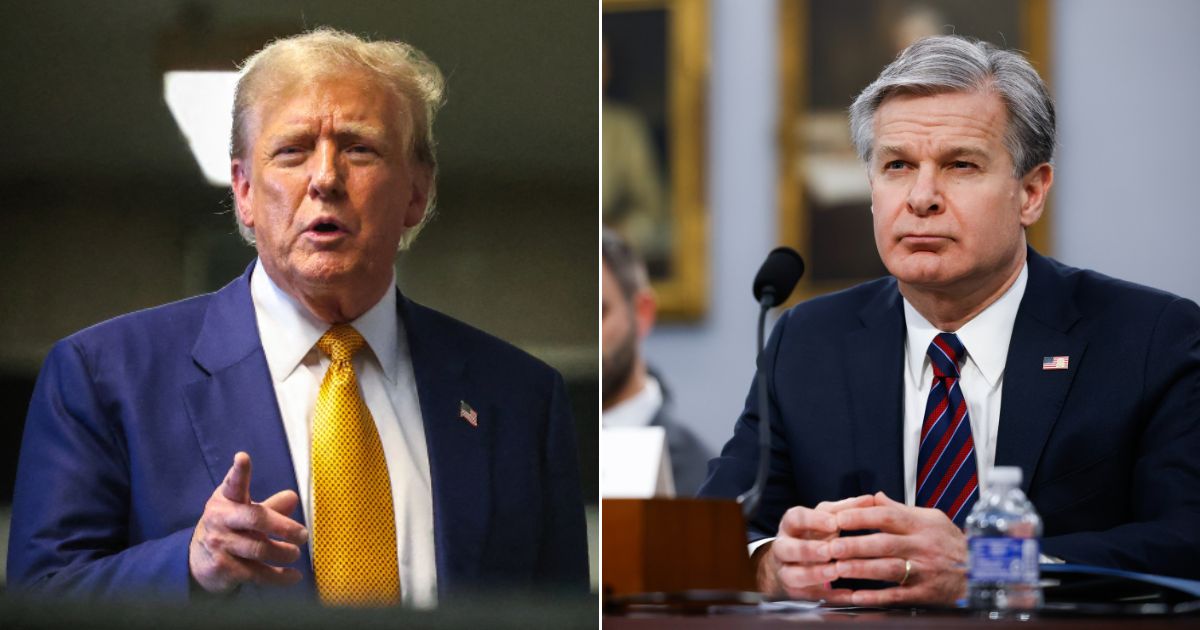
236,486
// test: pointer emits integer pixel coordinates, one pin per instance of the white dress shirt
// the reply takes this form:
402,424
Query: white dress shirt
638,410
289,334
981,377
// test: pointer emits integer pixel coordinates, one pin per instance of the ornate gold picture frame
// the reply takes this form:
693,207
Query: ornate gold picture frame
653,148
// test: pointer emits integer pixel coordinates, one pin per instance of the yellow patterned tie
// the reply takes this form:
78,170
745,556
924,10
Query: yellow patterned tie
354,527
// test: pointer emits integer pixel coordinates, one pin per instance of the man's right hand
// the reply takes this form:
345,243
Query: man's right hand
797,564
240,541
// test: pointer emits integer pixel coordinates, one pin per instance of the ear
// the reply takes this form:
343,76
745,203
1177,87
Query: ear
645,309
418,201
1035,187
239,175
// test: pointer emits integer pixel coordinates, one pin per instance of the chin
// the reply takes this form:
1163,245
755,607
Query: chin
921,269
325,270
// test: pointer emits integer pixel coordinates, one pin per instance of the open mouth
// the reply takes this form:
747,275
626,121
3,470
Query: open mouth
326,226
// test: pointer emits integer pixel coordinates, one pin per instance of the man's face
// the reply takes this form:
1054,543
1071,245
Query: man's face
949,214
328,185
619,337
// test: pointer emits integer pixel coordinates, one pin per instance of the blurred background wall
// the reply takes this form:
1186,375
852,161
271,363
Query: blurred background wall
108,212
1124,201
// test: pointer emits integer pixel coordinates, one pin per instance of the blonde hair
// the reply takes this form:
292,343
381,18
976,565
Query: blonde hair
325,52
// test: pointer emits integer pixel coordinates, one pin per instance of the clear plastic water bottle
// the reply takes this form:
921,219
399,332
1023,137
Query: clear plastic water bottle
1002,547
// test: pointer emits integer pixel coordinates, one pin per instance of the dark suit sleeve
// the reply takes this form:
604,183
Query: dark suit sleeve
70,527
734,471
1163,535
562,557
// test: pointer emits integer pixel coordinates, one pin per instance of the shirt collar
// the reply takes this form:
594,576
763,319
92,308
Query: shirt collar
986,337
638,410
289,331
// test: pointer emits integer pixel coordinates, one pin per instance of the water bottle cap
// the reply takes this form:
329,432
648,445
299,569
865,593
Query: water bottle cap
1006,476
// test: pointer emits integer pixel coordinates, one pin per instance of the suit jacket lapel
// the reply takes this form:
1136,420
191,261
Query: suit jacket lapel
459,453
233,408
1032,397
874,375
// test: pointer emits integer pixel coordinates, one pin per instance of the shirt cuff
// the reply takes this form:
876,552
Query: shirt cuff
752,547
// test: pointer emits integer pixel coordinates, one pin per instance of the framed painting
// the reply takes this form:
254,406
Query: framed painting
828,52
655,66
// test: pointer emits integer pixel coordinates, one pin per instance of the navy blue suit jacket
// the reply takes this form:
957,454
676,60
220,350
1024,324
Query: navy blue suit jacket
1109,448
135,421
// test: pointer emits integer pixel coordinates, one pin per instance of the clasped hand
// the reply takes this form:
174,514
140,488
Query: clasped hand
918,549
239,541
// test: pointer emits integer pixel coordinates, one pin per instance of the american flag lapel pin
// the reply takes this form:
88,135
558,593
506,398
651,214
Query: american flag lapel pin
467,413
1055,363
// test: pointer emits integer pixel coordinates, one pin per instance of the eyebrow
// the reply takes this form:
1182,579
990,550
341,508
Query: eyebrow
349,131
888,149
353,130
970,152
952,152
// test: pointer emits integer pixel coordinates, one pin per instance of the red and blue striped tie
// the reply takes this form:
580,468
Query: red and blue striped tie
946,473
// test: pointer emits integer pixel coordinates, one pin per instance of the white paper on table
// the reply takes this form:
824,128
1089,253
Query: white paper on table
635,463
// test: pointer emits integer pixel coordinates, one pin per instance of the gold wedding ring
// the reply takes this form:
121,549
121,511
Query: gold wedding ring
907,570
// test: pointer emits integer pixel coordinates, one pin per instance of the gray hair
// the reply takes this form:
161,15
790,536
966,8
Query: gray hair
326,52
624,264
952,63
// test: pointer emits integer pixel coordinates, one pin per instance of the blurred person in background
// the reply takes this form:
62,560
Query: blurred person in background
633,396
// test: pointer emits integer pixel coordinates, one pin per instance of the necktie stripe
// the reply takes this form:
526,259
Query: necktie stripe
935,412
951,470
954,440
937,404
969,494
934,416
947,363
936,453
946,470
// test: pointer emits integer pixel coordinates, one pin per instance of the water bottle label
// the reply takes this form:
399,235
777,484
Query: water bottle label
1006,560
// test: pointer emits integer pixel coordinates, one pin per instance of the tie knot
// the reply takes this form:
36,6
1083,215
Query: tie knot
946,352
341,342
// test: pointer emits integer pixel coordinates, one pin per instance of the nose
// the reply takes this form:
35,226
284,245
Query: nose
925,196
325,180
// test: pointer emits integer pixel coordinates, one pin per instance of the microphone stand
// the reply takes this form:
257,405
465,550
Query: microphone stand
750,499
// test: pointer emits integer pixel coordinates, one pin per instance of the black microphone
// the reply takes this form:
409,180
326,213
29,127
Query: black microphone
777,277
773,284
